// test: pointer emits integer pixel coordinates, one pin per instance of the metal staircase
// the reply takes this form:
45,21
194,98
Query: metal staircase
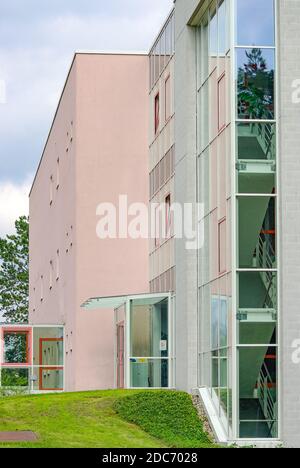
265,394
259,148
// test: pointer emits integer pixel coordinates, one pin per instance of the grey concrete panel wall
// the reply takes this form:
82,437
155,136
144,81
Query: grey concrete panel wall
185,191
289,113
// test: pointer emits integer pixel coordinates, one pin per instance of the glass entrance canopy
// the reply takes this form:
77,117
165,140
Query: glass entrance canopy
143,348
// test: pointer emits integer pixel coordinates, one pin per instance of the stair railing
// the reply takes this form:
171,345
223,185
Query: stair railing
267,402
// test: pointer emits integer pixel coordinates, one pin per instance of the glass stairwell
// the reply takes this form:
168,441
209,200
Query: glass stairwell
257,318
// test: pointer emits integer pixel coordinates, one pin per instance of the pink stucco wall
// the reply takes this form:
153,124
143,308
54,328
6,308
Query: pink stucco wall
102,154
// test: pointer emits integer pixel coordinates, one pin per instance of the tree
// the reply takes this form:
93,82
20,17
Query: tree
14,274
255,87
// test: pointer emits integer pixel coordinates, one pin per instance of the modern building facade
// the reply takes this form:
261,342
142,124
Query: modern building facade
162,154
96,151
235,153
218,129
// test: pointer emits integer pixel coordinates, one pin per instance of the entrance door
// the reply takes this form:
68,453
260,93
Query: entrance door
120,355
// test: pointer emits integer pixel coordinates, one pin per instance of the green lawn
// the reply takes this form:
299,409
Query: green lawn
108,419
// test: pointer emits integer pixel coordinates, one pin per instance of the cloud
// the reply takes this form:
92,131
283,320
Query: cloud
37,43
13,203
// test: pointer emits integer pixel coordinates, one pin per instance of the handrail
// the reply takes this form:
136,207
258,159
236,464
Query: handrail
267,402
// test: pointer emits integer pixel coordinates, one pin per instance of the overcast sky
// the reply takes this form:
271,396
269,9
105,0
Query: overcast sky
37,42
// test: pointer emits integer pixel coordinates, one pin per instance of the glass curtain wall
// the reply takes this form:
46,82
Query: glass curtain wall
256,219
214,193
162,50
149,343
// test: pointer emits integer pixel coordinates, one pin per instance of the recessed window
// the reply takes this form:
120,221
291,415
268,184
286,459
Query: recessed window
221,102
156,113
222,246
168,98
157,226
168,216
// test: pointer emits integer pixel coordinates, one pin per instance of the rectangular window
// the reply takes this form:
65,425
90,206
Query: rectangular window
16,346
50,379
167,98
255,83
168,216
51,352
221,102
255,22
222,246
157,226
156,113
257,241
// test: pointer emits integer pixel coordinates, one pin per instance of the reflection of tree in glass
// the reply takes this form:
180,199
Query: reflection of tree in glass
15,346
255,87
14,378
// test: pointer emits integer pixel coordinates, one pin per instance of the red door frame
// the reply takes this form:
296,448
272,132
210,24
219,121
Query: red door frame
41,341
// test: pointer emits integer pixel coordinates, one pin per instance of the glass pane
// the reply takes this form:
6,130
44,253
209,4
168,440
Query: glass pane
252,332
47,379
149,373
14,378
255,84
213,39
48,346
222,27
223,322
149,328
257,295
215,372
204,113
258,392
255,22
16,347
223,373
169,50
215,322
204,51
257,232
256,154
257,316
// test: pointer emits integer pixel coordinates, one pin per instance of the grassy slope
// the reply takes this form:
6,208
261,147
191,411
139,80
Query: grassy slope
90,419
169,416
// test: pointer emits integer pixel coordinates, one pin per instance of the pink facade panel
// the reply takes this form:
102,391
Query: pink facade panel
97,150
